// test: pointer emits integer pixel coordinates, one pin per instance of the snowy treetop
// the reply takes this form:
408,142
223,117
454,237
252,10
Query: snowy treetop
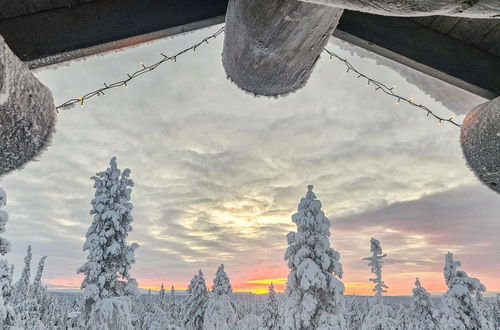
221,284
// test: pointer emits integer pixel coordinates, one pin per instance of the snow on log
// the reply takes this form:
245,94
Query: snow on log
27,112
470,8
480,139
271,46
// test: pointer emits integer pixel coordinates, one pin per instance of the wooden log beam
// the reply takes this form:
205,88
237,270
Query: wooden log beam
408,8
271,46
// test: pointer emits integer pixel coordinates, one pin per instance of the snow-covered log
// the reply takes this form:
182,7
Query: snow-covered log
468,8
480,139
27,112
271,46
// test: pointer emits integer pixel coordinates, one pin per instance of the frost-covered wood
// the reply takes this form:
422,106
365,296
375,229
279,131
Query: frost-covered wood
480,140
467,8
314,295
27,112
271,46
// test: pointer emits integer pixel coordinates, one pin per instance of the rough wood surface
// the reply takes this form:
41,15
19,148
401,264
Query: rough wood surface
461,8
481,33
271,46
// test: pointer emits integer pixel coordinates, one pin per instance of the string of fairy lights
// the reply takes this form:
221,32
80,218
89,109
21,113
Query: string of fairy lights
379,86
144,69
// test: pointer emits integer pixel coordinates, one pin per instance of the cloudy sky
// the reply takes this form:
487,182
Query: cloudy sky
218,173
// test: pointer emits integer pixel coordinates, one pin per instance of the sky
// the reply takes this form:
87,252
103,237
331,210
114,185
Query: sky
218,172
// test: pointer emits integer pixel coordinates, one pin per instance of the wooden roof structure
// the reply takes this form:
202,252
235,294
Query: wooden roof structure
464,52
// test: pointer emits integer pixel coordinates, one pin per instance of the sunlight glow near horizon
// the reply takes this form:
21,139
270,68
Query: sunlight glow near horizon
218,174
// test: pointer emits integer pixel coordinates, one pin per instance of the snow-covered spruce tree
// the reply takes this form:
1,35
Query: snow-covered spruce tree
162,298
221,285
173,308
221,312
195,303
354,315
496,311
37,302
7,316
375,262
271,315
107,270
422,310
22,298
154,318
402,318
380,315
111,313
460,303
23,283
313,296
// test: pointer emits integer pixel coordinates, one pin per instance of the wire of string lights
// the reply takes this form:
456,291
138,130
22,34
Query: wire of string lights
145,69
390,90
148,68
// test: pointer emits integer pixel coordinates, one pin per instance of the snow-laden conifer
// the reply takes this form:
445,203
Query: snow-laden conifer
461,309
31,306
375,262
221,285
271,315
354,315
23,283
155,318
221,312
314,295
107,270
195,303
162,298
111,314
22,298
4,217
402,318
496,311
380,315
7,315
422,310
172,308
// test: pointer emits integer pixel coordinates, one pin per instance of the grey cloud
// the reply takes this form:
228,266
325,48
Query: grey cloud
218,173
